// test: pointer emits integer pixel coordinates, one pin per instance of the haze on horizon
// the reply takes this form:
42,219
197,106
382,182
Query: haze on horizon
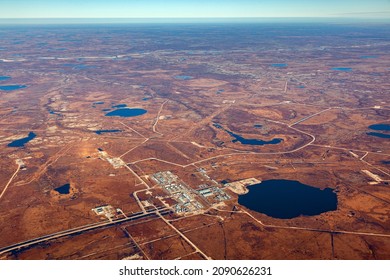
116,9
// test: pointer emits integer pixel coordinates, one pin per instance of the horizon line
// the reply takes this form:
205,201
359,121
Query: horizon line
191,20
200,17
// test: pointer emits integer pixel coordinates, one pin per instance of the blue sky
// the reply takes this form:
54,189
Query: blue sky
192,8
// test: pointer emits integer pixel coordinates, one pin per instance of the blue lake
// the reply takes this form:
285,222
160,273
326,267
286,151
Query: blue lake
84,67
279,65
368,56
248,141
12,87
120,106
253,142
99,132
63,189
378,134
4,78
98,103
21,142
380,126
184,78
343,69
69,64
285,199
126,112
51,112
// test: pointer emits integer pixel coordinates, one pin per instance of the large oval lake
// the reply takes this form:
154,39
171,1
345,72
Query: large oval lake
285,199
126,112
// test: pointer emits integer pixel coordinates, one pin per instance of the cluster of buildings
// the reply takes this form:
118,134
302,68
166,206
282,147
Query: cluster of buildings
189,200
184,196
106,210
213,193
115,162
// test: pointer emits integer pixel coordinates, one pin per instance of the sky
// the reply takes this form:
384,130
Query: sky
193,8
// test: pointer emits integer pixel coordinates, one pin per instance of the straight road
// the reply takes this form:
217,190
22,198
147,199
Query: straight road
10,181
135,216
